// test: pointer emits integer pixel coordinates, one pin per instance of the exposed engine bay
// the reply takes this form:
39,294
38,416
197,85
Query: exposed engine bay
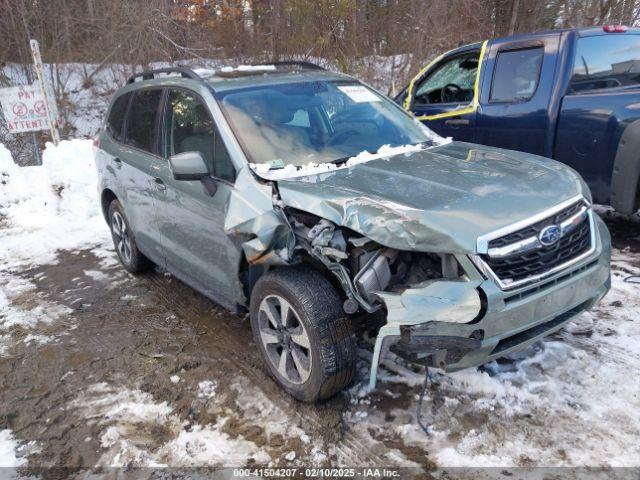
363,266
375,277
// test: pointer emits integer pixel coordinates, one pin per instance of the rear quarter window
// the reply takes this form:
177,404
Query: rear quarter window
116,117
606,61
517,73
141,119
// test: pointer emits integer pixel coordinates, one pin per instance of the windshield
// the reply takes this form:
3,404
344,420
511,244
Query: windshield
316,122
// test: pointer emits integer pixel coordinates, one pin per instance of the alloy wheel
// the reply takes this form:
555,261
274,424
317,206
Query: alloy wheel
285,339
121,237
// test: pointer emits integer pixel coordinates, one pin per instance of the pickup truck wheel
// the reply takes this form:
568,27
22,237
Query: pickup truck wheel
299,326
124,241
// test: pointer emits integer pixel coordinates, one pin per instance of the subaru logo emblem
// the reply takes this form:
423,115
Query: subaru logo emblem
549,235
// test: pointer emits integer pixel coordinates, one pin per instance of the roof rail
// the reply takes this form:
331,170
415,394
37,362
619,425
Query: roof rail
295,63
149,74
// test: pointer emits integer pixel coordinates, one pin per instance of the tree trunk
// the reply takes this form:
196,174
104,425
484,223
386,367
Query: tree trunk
514,16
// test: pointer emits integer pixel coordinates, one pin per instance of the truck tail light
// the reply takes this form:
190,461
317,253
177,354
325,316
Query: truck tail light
614,28
96,143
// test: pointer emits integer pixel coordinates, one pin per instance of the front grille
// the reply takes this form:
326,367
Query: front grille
534,230
536,261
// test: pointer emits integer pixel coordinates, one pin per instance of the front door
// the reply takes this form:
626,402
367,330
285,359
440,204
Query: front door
443,98
191,221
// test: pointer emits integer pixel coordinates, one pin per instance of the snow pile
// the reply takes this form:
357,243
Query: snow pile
292,171
50,207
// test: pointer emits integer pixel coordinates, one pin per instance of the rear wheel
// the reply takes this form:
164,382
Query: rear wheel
300,328
124,241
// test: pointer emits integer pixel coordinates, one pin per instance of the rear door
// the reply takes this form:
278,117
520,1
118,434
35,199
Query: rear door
603,98
133,158
517,109
195,245
443,96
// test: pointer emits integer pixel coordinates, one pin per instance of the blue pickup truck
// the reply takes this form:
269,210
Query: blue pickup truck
572,95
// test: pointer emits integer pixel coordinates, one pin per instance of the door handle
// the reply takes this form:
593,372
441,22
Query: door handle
118,162
160,184
457,122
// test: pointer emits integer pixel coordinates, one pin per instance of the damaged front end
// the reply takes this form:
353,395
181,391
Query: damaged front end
412,288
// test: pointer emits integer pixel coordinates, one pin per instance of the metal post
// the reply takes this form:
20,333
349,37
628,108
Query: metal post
37,61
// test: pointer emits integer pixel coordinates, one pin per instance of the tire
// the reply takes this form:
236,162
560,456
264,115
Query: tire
317,312
126,248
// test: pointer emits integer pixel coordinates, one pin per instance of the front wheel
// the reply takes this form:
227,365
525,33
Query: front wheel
124,241
307,342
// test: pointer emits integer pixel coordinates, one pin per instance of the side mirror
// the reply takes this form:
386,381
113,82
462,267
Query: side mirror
188,166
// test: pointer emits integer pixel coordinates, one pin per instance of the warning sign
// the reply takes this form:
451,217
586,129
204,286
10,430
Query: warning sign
24,109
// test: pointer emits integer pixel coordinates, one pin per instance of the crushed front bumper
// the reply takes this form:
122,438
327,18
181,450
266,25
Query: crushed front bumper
465,324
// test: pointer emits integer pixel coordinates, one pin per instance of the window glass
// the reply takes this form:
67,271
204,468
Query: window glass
190,128
606,61
116,117
316,122
222,165
300,119
516,74
141,119
451,82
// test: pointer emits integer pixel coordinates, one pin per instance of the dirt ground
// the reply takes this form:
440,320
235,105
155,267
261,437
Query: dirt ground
121,369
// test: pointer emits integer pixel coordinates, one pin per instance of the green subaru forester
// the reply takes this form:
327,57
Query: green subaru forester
311,200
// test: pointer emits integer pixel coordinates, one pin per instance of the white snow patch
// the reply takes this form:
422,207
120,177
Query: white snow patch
50,207
8,449
97,275
204,446
292,171
207,389
431,135
5,343
39,339
128,417
107,255
248,68
255,405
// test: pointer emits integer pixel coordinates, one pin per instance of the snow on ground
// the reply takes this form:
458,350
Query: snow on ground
569,400
8,450
49,208
43,209
128,418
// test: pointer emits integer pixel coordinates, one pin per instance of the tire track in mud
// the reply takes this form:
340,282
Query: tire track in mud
233,337
114,320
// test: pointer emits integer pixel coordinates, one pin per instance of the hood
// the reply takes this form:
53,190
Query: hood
439,199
